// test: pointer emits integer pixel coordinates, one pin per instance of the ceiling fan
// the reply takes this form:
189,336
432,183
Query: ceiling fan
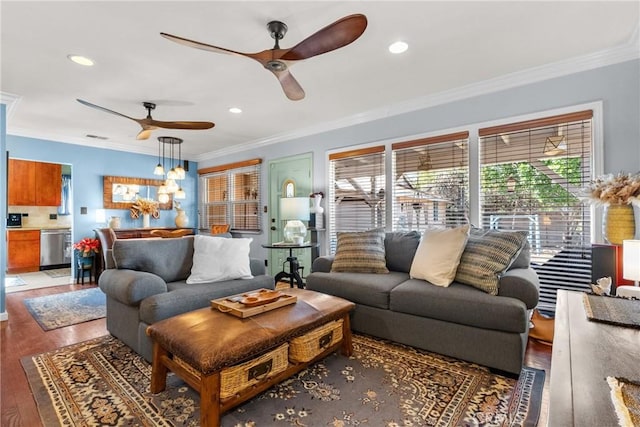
334,36
148,124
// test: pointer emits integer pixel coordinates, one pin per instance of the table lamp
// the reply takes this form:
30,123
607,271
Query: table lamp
630,268
294,210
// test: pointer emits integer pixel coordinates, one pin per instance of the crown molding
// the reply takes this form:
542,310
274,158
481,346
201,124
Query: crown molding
622,53
10,100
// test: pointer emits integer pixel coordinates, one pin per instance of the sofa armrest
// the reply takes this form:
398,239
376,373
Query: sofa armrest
257,267
129,286
521,283
322,264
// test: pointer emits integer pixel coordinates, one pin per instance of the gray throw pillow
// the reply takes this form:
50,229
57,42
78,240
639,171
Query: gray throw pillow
487,255
400,248
360,252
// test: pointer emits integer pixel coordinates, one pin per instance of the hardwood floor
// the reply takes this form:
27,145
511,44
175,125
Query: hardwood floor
22,336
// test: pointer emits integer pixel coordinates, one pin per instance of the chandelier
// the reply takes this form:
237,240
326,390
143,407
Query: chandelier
167,145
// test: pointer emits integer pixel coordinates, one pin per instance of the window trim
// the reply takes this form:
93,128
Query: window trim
229,170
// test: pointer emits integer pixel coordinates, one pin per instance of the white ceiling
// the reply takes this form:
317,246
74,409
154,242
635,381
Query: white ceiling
452,45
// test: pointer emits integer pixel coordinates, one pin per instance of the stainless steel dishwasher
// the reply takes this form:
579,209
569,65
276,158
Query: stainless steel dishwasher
55,247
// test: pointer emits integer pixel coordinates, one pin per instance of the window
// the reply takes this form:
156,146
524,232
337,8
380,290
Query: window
530,176
430,182
357,197
230,194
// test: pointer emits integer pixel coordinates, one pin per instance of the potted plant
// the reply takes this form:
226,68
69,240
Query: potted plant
85,249
617,193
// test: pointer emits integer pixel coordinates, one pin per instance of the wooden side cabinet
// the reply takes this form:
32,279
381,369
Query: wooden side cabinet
23,248
34,183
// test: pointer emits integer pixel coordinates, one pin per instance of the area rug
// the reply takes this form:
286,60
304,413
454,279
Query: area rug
58,272
13,281
103,382
68,308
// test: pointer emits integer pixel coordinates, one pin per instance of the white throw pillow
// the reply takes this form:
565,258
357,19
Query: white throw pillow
438,255
216,259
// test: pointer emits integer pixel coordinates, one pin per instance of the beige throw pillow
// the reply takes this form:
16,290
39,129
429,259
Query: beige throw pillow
360,252
438,255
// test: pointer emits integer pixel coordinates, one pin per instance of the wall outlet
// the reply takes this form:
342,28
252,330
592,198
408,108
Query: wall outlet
83,210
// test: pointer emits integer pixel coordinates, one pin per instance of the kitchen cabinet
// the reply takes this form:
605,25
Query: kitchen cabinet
34,183
21,183
48,184
23,248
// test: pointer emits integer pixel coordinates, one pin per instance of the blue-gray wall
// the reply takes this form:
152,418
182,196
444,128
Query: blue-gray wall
89,166
616,86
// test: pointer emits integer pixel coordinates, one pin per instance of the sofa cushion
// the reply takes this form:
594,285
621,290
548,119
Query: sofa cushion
361,288
399,248
360,252
170,259
487,255
216,259
460,304
438,255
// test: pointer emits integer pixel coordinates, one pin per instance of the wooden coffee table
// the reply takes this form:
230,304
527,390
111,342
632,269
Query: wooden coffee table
200,344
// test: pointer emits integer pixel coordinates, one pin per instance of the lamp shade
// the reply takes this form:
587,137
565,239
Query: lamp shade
294,208
631,259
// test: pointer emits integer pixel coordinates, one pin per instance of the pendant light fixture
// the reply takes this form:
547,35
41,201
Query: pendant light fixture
175,173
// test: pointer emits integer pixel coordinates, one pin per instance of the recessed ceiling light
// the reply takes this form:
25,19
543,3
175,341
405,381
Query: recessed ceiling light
82,60
398,47
235,110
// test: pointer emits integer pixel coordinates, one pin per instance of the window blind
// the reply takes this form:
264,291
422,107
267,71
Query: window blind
531,175
230,194
431,181
357,199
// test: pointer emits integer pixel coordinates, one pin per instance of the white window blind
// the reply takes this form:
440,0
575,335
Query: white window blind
531,174
431,182
230,194
357,198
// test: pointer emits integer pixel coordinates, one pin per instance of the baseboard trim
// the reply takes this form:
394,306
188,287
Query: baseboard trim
4,316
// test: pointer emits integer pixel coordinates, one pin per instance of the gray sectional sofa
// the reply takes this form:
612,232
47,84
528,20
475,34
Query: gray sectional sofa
148,284
458,321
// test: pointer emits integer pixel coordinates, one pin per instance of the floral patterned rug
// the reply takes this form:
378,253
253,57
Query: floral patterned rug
68,308
103,382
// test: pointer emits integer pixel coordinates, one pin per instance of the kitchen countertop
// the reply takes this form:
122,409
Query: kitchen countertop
43,227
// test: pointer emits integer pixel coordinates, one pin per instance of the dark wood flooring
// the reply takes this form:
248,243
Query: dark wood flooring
22,336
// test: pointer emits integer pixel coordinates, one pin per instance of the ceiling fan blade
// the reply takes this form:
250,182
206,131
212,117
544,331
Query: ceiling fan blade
289,84
334,36
88,104
203,46
144,134
179,124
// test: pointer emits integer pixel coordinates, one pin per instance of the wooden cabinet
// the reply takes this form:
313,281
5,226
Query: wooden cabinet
48,184
34,183
142,233
22,183
23,248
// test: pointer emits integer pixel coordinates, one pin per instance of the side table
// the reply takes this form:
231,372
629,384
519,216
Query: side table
585,353
294,266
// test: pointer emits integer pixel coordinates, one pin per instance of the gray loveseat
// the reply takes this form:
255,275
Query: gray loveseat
458,321
148,285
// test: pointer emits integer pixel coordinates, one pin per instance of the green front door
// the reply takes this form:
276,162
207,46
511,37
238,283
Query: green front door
292,175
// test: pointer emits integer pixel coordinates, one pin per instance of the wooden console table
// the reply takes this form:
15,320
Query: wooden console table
585,353
139,233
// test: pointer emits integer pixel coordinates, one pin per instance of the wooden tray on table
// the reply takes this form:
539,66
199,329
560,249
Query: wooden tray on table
251,303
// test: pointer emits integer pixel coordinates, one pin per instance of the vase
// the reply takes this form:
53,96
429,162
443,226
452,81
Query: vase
145,221
618,224
114,222
317,209
182,220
